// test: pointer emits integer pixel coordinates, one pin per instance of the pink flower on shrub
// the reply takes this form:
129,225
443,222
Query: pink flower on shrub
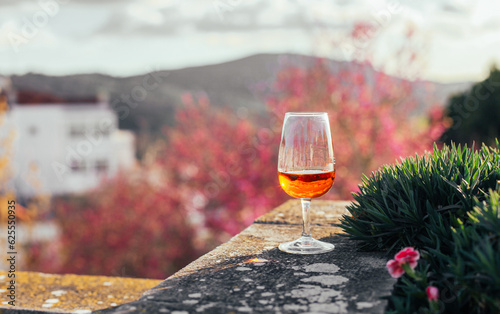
408,256
395,269
432,293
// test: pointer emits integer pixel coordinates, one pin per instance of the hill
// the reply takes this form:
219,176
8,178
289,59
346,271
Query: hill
147,102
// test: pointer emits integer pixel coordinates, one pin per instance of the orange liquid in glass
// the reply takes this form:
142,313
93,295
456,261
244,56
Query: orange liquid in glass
307,183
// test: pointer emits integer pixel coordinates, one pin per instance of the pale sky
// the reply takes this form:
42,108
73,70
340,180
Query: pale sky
458,39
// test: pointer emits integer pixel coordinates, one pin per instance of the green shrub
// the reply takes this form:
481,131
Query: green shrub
446,205
469,278
417,201
474,266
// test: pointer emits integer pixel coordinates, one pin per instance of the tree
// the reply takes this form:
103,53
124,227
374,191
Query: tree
370,115
474,114
131,226
225,166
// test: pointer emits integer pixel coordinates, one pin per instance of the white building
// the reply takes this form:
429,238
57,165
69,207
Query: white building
66,147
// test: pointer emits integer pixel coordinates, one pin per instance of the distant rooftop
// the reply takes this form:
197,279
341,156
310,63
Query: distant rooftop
29,97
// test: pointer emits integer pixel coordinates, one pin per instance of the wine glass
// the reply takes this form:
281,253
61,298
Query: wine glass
306,170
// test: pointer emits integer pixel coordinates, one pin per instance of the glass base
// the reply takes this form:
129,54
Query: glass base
306,245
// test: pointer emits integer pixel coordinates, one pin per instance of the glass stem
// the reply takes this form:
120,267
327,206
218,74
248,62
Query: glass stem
306,225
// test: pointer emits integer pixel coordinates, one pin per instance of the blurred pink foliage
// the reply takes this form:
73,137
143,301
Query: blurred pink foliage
128,227
223,165
370,117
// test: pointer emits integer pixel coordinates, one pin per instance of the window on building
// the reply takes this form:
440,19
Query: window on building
77,130
78,165
101,166
98,132
32,130
105,131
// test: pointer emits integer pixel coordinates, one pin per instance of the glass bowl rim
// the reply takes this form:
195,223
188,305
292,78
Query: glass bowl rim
305,113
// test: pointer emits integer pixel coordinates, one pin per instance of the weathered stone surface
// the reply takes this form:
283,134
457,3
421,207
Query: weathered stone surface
38,292
249,274
324,213
266,233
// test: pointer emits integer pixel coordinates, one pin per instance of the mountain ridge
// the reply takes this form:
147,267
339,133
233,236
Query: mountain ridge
156,95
